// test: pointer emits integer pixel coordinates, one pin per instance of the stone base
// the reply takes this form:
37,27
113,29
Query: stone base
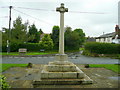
61,57
61,72
84,81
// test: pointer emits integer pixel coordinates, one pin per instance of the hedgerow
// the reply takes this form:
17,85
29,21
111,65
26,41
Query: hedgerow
102,48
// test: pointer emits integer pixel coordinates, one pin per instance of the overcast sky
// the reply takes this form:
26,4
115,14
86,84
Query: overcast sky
93,24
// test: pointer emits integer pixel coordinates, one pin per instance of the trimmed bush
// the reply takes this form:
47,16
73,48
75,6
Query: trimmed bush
29,46
14,47
102,48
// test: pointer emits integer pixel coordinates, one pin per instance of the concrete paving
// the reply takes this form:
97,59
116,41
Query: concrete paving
22,77
76,59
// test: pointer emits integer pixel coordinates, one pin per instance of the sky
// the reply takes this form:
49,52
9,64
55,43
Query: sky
103,14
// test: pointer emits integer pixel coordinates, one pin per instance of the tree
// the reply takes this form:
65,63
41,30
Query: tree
55,36
81,36
68,30
33,34
19,31
40,31
71,39
46,42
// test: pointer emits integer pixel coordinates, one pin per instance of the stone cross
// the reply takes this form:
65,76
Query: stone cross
62,10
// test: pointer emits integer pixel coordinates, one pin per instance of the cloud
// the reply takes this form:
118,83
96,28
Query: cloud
92,24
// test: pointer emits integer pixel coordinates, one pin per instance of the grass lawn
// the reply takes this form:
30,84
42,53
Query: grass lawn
113,67
28,53
7,66
11,53
36,53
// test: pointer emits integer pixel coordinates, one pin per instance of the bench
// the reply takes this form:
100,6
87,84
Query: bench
22,50
42,50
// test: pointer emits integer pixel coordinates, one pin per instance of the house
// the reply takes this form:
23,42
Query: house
113,37
90,39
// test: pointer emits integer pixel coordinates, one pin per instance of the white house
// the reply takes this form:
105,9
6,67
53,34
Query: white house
113,37
106,38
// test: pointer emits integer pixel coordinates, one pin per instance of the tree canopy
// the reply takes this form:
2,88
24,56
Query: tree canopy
47,42
73,39
34,34
81,35
55,36
24,33
18,32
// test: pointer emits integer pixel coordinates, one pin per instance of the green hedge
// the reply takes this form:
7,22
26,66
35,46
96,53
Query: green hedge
29,46
102,48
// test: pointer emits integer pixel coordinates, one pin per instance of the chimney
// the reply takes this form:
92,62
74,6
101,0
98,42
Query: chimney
116,29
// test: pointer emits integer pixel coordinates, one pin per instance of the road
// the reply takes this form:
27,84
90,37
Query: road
79,59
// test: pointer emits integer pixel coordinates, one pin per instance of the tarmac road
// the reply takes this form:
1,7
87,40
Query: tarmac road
76,59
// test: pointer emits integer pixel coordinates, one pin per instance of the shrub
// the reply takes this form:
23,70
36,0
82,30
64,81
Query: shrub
31,46
102,48
4,84
4,47
14,47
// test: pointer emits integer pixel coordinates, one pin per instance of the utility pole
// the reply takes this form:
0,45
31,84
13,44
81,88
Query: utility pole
9,34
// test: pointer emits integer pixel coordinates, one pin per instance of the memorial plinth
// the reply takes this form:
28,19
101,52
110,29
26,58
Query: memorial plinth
61,71
61,74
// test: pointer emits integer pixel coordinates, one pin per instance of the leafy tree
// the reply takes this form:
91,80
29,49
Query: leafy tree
71,39
40,31
46,42
55,36
68,30
81,36
33,34
18,32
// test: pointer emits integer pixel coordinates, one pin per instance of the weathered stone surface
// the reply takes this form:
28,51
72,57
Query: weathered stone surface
61,68
86,80
80,74
60,63
69,75
61,71
61,57
58,75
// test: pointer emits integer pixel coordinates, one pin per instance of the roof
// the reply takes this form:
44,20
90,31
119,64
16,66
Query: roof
107,35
